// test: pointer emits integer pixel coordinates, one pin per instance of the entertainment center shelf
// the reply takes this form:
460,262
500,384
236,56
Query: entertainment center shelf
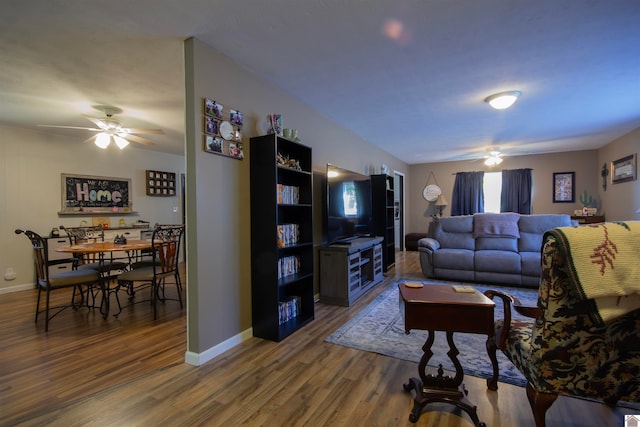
349,269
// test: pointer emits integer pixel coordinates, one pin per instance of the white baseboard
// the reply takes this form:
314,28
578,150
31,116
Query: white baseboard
197,359
17,288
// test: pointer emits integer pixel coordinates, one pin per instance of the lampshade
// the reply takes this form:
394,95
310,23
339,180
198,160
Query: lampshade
103,140
503,100
441,201
120,142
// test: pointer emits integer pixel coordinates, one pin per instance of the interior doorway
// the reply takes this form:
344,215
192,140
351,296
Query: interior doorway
399,209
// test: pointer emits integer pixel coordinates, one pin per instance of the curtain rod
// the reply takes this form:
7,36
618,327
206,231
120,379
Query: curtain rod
521,169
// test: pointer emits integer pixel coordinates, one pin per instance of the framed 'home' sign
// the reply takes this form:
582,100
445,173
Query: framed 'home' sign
89,194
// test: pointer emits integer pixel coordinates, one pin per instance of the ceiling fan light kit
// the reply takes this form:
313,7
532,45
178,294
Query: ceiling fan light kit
494,159
503,100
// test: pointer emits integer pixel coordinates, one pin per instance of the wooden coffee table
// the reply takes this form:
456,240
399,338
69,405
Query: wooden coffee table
441,308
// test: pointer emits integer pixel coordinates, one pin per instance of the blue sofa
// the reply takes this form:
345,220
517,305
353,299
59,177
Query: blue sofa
489,248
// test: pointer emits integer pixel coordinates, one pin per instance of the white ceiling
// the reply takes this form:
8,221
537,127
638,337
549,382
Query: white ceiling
407,75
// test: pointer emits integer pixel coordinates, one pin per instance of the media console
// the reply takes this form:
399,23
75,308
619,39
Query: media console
349,269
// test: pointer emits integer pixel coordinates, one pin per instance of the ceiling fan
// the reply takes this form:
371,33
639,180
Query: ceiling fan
109,129
493,158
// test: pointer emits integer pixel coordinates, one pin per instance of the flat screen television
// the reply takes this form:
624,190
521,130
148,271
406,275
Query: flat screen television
348,212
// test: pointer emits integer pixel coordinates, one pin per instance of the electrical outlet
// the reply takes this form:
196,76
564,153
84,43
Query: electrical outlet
9,274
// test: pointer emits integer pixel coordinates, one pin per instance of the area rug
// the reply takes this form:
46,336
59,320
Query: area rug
379,328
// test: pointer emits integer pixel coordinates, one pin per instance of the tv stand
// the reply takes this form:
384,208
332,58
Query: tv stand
349,269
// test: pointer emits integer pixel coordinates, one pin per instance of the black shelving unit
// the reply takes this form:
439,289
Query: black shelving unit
383,225
281,237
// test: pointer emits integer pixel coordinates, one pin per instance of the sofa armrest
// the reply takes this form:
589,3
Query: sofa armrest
508,302
429,244
426,248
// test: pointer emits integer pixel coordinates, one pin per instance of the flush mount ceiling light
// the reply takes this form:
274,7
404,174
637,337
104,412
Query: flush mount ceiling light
494,159
503,100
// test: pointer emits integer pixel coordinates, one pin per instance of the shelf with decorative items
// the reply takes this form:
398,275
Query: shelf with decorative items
160,184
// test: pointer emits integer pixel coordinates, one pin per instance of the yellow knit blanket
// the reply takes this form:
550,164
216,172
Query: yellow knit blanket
604,265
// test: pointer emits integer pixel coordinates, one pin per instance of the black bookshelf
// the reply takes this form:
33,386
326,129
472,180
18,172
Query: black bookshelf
383,221
281,236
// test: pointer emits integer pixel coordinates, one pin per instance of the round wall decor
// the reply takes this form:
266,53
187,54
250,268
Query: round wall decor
431,192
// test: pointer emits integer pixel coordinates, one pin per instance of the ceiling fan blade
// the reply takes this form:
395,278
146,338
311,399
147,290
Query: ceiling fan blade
70,127
102,125
143,131
138,139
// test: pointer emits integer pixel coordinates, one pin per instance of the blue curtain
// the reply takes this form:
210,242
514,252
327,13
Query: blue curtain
516,191
468,197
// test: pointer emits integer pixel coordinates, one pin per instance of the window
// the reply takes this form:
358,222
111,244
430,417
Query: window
492,184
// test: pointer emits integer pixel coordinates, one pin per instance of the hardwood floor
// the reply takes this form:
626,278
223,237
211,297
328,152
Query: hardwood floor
131,371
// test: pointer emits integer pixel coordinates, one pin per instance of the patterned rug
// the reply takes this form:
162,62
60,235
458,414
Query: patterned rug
379,328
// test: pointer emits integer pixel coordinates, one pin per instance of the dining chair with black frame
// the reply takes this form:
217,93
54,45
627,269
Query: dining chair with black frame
107,268
165,241
50,282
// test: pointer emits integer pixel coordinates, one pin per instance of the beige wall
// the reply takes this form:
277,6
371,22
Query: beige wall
218,232
31,163
620,201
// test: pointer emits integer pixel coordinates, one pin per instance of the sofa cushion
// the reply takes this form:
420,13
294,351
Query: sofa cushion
497,261
456,259
531,263
455,232
496,225
497,243
532,227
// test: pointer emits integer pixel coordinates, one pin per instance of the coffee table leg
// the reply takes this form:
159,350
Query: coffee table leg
426,356
440,388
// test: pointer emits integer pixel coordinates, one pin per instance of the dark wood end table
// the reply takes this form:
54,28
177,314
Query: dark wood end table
441,308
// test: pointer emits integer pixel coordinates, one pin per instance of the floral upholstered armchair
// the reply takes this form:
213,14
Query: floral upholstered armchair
583,338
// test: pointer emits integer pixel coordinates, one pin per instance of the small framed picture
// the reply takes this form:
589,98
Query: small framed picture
564,187
213,144
624,169
235,151
210,125
236,117
212,108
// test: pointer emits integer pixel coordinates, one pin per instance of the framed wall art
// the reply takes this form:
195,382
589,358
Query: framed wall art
564,188
89,194
624,169
222,130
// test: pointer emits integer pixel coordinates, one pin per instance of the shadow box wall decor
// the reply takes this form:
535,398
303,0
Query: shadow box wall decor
161,184
624,169
564,187
222,130
90,194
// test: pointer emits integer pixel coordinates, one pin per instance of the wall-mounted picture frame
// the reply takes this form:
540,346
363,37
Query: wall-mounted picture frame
91,194
564,187
624,169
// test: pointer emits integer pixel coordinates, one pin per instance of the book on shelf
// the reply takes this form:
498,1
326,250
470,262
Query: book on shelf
288,234
288,266
288,195
289,309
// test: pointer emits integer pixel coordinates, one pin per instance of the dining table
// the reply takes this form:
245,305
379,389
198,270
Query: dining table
104,252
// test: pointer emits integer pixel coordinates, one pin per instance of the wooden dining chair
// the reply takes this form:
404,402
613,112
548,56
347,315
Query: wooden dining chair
165,254
46,282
